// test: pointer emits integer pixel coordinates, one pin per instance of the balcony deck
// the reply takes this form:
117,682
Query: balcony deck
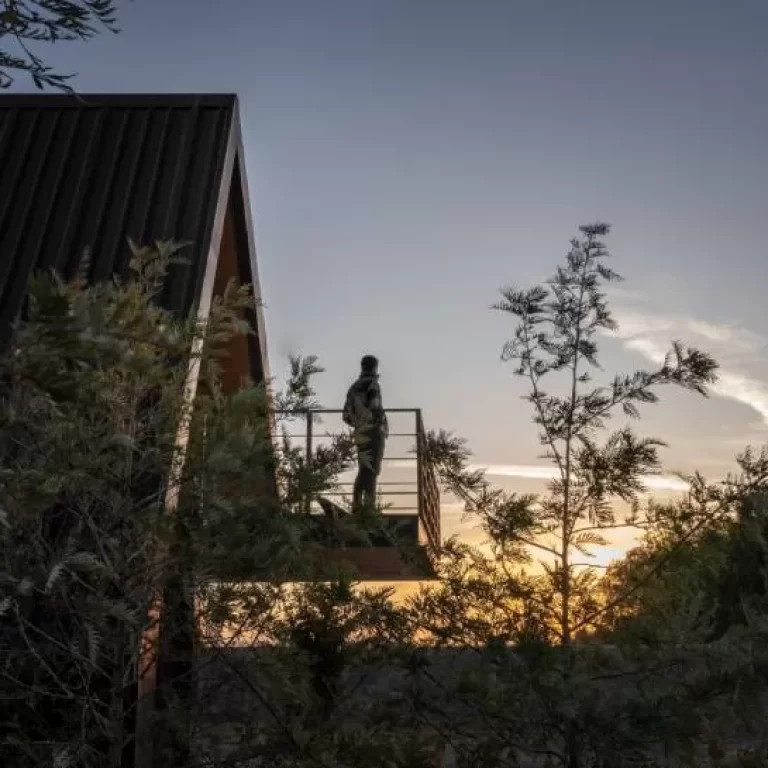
405,544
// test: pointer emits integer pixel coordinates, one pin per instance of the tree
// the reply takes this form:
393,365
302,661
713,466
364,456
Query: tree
699,565
323,685
116,487
26,23
139,532
98,516
690,603
556,334
552,683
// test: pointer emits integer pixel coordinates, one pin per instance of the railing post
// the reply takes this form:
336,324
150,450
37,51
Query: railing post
420,466
308,499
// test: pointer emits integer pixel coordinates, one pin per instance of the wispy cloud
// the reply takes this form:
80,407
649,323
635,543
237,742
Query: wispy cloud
541,472
665,483
544,472
533,471
744,389
734,337
649,334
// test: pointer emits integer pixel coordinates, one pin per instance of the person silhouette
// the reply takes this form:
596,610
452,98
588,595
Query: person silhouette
364,412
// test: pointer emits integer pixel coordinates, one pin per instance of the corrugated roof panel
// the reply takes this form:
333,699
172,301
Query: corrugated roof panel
92,171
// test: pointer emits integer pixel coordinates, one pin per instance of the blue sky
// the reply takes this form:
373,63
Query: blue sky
407,159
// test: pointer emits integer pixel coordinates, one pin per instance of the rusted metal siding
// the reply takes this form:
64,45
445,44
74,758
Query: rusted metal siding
92,171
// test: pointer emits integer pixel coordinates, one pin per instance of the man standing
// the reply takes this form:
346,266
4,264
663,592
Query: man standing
364,412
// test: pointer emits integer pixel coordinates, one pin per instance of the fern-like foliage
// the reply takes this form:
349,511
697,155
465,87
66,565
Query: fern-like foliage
25,24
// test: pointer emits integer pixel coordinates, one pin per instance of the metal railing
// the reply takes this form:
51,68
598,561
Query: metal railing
428,488
419,495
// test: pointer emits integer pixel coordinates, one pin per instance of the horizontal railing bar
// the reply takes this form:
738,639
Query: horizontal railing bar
384,482
316,435
423,490
388,493
384,512
397,458
339,410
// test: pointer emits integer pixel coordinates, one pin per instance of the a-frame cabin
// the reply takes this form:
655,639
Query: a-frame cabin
91,171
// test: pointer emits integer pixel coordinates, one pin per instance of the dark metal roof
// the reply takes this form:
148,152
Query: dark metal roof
91,171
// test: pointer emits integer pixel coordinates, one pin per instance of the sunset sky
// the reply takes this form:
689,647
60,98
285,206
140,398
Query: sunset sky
408,159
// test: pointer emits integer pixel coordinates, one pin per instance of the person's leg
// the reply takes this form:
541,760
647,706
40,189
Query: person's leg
360,481
365,481
377,457
368,486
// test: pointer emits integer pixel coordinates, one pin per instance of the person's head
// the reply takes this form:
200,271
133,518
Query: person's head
369,365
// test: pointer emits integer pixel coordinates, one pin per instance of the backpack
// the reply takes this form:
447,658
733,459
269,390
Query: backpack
356,405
